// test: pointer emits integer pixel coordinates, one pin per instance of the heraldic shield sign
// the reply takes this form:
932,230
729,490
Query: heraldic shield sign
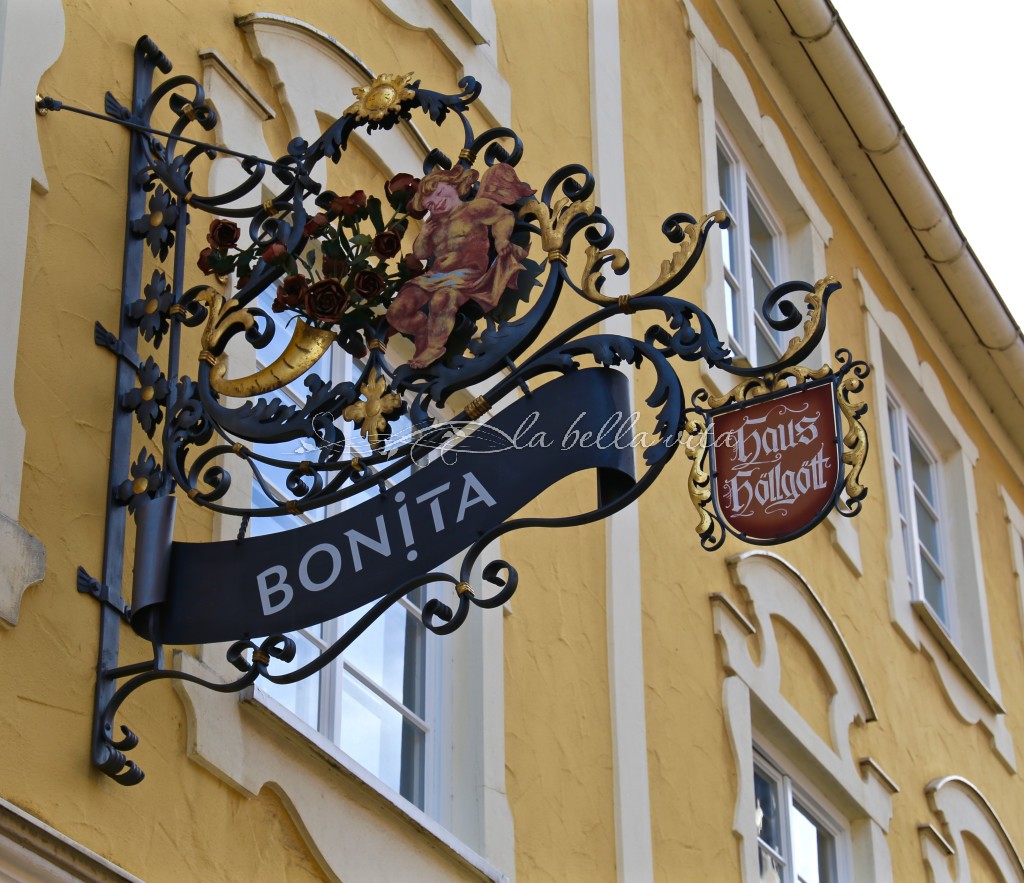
446,281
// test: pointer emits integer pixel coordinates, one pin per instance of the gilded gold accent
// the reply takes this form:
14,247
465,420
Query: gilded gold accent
305,467
187,198
477,408
208,357
377,344
855,439
188,110
557,257
670,268
813,299
237,449
42,111
301,353
193,492
382,97
468,155
292,508
356,464
553,221
260,657
152,305
624,304
699,482
175,310
156,219
269,207
753,387
147,393
371,414
463,588
140,485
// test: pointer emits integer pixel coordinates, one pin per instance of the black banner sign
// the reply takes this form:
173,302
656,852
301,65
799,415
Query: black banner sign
191,593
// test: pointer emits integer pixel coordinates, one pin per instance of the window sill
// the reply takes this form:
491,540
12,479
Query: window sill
274,714
938,631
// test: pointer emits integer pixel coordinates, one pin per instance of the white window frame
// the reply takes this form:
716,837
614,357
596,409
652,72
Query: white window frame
329,721
743,328
907,496
793,788
961,651
727,100
255,743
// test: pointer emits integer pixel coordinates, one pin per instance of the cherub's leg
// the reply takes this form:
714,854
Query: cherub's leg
440,321
406,314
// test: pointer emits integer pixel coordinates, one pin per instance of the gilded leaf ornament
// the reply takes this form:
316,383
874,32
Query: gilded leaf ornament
371,413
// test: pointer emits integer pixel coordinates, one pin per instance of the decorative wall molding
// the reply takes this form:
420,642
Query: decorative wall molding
963,810
752,696
31,39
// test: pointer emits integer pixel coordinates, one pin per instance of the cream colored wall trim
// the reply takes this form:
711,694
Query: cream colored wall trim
470,41
31,39
859,788
894,361
356,829
713,63
1015,522
31,850
623,587
479,812
963,809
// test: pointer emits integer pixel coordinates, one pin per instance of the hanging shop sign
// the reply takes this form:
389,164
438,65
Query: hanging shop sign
444,282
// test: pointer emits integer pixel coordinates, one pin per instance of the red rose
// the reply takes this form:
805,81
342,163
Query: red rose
274,252
400,189
315,224
413,264
204,261
335,266
292,291
368,284
326,300
387,244
223,234
349,206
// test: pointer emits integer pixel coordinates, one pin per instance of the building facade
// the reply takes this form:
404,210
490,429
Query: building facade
846,707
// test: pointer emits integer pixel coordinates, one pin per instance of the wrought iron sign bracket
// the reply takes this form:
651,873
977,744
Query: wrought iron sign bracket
447,282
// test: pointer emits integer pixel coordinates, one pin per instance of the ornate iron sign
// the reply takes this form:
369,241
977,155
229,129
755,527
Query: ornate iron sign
443,283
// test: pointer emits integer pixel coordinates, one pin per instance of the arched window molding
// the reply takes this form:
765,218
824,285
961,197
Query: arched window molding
725,96
31,39
753,700
963,810
965,663
255,743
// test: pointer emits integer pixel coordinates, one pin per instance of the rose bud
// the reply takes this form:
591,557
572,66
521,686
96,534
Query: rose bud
413,264
326,300
400,188
274,252
204,261
368,284
315,224
336,267
325,199
351,205
292,290
387,244
242,282
223,234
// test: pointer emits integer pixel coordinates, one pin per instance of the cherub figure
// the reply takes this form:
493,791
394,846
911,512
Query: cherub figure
469,253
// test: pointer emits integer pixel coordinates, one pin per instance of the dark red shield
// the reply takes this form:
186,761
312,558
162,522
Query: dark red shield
776,463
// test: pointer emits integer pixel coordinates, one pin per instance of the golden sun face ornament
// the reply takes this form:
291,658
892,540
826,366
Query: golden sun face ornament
382,97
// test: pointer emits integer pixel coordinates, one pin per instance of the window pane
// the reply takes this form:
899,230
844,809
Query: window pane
921,466
933,590
725,180
766,353
813,849
728,238
762,240
391,653
927,530
260,527
382,740
303,697
766,795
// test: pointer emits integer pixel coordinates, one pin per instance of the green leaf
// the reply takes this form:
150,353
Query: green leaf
361,239
373,208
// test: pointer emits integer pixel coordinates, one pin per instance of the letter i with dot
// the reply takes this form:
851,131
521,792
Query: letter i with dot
403,518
